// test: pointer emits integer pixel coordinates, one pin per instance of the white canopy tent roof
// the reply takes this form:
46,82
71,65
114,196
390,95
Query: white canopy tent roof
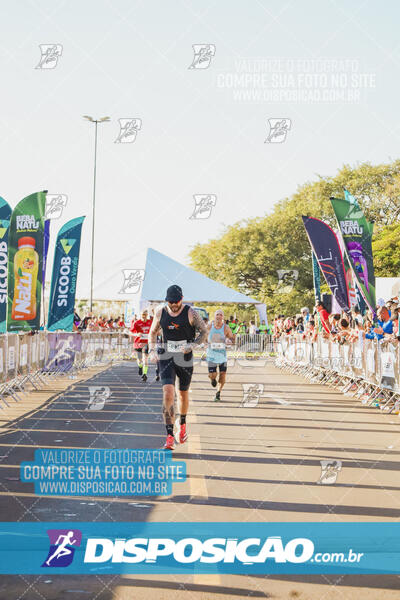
162,271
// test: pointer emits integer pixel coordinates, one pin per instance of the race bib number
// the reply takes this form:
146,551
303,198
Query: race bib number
144,336
176,346
217,346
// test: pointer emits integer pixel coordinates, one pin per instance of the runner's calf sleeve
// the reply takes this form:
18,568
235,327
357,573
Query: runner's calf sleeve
145,369
183,419
170,429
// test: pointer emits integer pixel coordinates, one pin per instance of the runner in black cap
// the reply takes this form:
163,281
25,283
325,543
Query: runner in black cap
179,324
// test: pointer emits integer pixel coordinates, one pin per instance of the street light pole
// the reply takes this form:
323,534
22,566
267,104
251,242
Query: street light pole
95,121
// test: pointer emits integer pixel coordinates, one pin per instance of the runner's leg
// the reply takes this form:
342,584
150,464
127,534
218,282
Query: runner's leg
221,379
184,375
212,373
145,362
139,360
168,376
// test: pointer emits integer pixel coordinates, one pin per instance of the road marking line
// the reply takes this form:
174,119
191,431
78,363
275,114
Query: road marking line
207,579
198,489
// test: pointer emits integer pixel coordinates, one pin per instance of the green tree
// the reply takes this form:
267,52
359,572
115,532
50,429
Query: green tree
386,251
251,252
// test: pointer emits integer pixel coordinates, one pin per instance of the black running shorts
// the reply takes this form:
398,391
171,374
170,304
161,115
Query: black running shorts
145,349
212,367
170,369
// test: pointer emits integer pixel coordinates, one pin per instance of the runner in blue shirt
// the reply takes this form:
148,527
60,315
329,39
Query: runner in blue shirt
216,358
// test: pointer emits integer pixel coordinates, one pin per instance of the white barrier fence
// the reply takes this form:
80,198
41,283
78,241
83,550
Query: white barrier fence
369,369
256,343
27,358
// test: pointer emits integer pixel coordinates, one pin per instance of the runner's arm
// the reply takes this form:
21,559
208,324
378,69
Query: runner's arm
198,323
229,334
154,329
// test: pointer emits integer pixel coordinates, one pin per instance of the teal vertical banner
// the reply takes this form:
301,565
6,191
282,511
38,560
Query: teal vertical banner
316,278
5,216
64,277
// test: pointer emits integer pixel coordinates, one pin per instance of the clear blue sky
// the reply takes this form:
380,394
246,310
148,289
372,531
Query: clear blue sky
131,59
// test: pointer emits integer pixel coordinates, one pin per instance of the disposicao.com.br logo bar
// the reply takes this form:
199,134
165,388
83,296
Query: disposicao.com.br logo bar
241,548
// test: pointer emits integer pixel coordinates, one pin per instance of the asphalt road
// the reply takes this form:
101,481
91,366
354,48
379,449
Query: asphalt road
249,458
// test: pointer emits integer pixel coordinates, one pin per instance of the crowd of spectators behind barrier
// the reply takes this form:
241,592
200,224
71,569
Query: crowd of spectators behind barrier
381,324
92,323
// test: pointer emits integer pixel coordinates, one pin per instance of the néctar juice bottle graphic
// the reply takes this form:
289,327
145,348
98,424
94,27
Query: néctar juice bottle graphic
26,266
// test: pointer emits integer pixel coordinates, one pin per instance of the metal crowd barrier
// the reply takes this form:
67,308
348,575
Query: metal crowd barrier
254,343
365,369
27,361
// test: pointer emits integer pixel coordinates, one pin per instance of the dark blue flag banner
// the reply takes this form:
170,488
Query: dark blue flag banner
46,242
327,251
5,216
65,273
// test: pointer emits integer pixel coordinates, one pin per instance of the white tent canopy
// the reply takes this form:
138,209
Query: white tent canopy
161,272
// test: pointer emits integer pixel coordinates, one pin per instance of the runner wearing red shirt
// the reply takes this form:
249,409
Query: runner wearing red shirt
323,315
140,331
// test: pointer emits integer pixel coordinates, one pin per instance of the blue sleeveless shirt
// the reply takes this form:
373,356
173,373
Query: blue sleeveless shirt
216,351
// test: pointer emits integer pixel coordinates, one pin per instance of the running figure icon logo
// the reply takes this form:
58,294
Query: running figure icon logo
286,280
251,394
132,281
329,471
50,53
98,396
203,205
128,129
203,53
54,205
62,542
278,129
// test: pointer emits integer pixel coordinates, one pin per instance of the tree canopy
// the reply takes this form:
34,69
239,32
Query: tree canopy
252,251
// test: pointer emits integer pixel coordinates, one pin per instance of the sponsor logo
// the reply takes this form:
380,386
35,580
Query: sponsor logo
64,279
189,550
3,271
26,223
24,295
62,547
4,225
67,245
349,227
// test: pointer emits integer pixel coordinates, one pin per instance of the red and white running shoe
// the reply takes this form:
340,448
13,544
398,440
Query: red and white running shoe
182,434
170,443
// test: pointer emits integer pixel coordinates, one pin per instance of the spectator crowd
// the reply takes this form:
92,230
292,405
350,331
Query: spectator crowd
383,323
